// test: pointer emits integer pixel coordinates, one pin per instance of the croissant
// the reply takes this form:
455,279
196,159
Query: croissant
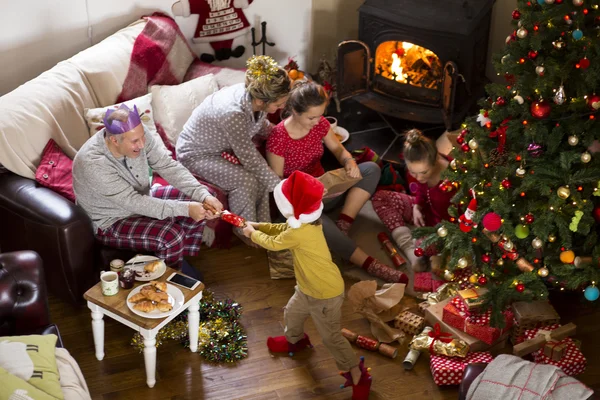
162,286
156,296
137,297
145,306
153,266
146,290
164,306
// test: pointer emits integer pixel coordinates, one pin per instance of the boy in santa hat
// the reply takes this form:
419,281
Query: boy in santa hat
320,288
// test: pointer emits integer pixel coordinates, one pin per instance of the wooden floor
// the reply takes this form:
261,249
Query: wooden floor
241,273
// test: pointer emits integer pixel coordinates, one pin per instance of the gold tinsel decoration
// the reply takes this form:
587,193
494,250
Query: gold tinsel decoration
262,68
176,330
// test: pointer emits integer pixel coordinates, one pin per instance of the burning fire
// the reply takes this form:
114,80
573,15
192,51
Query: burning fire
408,63
396,67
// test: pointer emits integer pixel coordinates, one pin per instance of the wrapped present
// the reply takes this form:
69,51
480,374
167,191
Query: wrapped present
422,282
461,277
450,370
436,284
457,314
555,350
436,341
472,298
423,305
573,362
531,315
409,322
434,314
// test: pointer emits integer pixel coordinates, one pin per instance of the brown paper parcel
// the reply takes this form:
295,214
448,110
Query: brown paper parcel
379,307
337,182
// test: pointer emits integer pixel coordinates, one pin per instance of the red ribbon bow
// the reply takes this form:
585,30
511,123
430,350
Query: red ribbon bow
500,133
437,334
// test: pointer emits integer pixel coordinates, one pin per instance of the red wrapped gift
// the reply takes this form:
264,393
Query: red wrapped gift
435,284
449,370
456,314
573,362
423,282
461,276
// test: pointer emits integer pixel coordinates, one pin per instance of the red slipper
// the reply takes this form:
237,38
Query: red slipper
279,344
361,390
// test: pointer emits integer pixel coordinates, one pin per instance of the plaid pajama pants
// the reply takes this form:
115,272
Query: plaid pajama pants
170,239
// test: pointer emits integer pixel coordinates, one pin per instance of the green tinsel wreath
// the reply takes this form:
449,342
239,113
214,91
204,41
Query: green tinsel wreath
221,337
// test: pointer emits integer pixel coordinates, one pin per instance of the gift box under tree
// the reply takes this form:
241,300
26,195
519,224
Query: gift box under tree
450,370
531,315
457,315
426,282
572,362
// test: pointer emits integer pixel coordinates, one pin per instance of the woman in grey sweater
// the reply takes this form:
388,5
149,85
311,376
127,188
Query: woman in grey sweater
229,122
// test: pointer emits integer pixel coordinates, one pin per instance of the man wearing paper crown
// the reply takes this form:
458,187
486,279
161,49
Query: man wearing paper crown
112,175
465,221
319,291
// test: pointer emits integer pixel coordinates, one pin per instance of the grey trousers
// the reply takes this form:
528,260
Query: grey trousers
327,317
247,196
340,244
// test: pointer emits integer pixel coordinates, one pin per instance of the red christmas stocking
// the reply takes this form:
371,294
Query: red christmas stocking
361,390
279,344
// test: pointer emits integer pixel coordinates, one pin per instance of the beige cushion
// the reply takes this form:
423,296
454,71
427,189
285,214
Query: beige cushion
105,64
47,107
173,105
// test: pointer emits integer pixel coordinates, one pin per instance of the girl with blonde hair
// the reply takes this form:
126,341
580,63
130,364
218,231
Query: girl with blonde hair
230,122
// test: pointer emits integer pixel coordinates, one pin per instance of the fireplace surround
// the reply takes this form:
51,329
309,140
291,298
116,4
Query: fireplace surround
420,60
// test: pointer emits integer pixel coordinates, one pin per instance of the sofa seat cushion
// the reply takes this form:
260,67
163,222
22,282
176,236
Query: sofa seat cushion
55,171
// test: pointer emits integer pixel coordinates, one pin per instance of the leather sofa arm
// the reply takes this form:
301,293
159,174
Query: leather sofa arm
36,218
23,297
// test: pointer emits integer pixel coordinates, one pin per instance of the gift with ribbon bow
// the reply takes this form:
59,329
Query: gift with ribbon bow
438,342
450,370
537,338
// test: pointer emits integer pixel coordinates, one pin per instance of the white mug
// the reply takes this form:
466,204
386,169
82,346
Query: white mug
332,122
109,281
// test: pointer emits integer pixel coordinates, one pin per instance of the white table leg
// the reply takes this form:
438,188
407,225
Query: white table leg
98,331
150,358
193,325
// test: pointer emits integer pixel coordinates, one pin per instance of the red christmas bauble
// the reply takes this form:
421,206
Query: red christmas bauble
584,63
593,102
485,258
465,147
532,54
492,222
482,280
516,14
464,132
500,101
460,140
520,288
596,213
419,252
540,109
529,218
505,183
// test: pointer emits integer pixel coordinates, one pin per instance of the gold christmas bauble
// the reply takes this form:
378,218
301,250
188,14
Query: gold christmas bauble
500,262
442,231
522,33
463,263
573,140
448,275
543,272
540,70
586,157
551,238
453,164
473,144
537,243
563,192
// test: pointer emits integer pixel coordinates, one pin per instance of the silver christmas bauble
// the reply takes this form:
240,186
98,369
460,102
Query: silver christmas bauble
586,157
521,172
559,96
463,263
453,164
508,246
577,2
537,243
540,70
573,140
442,231
473,144
543,272
522,33
505,58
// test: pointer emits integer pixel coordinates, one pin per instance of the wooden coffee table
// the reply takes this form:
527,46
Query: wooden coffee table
116,308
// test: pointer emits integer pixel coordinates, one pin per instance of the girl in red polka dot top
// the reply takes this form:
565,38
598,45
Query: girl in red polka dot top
297,144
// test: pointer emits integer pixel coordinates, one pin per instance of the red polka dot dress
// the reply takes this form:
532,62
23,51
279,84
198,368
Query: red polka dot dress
299,154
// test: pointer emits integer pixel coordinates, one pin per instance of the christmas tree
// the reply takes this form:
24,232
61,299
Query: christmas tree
529,162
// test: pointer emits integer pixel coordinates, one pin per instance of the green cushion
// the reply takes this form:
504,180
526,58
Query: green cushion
11,385
41,351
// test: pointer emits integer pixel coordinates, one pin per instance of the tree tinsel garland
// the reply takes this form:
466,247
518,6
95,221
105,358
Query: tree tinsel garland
221,337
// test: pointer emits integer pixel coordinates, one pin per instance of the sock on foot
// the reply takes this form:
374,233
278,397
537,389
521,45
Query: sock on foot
280,344
385,272
360,390
344,223
403,238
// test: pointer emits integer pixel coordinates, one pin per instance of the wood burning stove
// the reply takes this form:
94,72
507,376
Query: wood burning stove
420,60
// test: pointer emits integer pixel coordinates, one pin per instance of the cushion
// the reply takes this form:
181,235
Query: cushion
94,116
54,171
173,105
19,352
12,387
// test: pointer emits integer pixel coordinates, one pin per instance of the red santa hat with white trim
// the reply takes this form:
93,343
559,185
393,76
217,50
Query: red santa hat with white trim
299,199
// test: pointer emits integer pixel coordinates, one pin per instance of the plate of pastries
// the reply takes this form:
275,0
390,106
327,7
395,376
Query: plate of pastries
146,268
155,300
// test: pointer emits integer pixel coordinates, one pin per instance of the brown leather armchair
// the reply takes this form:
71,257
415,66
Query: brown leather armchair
36,218
23,297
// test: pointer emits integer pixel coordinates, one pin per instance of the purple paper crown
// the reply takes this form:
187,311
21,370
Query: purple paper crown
117,127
